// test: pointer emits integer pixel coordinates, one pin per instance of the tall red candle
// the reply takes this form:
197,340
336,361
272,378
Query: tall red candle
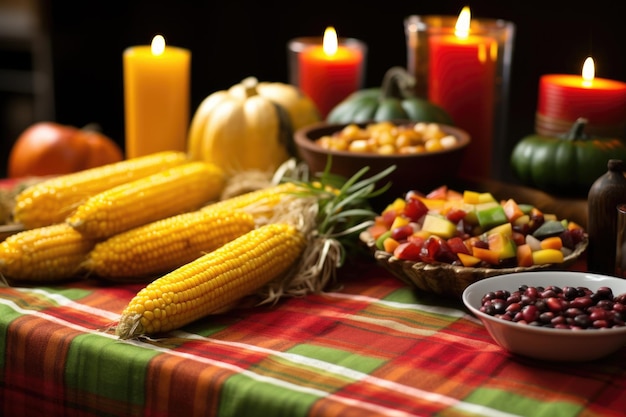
564,98
462,80
330,72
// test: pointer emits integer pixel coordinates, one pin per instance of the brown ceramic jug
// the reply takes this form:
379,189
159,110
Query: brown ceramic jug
604,195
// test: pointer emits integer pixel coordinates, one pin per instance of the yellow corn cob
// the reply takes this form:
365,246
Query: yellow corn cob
259,203
51,201
166,244
49,253
213,281
176,190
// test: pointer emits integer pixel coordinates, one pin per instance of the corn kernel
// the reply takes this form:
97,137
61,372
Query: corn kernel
359,146
351,131
433,145
385,138
387,150
448,141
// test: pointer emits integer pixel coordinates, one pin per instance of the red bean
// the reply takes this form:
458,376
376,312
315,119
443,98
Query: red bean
513,307
570,293
555,304
530,313
581,302
546,317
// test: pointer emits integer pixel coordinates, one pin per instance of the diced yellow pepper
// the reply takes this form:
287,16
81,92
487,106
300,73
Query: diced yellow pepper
397,205
485,198
390,244
399,221
471,197
433,203
505,229
547,256
424,234
468,260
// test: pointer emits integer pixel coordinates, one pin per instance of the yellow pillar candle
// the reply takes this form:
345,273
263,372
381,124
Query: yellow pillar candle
156,97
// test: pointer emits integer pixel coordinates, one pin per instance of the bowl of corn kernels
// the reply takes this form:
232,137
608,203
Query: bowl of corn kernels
425,154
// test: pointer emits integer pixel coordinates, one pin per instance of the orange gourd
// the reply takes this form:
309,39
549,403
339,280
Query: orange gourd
48,148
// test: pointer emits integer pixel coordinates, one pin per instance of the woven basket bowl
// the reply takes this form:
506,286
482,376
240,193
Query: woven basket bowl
449,280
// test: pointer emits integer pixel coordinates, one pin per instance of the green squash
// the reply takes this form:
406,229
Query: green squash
395,100
567,164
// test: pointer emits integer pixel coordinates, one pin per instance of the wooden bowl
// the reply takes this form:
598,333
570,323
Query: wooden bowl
451,280
421,172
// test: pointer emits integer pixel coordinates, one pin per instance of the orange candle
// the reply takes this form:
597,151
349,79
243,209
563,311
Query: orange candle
156,97
462,80
328,73
564,98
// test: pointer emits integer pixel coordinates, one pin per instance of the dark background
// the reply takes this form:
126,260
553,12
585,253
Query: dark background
231,40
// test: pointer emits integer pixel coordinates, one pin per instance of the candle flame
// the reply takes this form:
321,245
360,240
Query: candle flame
158,45
330,42
589,72
462,27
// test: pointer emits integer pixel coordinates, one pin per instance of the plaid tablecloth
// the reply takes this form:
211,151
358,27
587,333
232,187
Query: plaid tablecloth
371,348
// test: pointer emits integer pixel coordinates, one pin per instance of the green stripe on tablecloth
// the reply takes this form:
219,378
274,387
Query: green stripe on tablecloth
108,368
8,315
404,295
252,397
516,404
340,357
69,293
205,329
408,295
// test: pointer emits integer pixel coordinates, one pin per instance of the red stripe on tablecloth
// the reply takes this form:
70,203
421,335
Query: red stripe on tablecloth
34,366
37,345
180,387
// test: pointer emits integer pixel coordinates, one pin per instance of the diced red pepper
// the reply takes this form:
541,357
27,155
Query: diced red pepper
415,209
402,232
439,193
417,239
457,245
376,230
445,253
430,248
455,215
408,251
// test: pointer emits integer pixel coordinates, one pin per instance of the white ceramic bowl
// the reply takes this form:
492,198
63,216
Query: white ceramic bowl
547,343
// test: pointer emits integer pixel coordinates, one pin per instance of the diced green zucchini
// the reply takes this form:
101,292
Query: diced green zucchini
549,228
491,217
526,208
381,239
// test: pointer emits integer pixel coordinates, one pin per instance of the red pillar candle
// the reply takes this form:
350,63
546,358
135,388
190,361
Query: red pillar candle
328,73
564,98
462,80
